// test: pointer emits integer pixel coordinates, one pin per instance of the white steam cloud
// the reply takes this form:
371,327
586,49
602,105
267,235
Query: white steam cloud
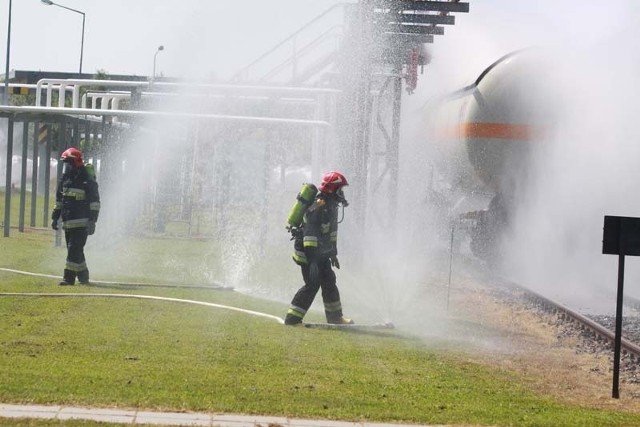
586,167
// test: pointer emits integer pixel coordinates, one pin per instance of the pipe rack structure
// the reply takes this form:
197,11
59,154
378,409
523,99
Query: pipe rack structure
80,104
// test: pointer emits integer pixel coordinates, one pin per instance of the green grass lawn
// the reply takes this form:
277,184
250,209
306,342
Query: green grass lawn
131,353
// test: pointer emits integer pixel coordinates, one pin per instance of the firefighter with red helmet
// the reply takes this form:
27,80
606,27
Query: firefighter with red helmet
78,206
315,251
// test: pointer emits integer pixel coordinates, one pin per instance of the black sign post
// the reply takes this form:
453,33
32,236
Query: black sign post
621,237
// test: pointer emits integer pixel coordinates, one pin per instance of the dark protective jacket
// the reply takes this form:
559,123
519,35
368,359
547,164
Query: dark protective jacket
77,199
319,237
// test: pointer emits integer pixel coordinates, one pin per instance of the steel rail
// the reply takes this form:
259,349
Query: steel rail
586,323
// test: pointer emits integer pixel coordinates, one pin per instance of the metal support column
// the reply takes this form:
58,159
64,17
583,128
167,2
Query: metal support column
62,144
75,139
34,174
393,150
23,175
316,143
105,150
47,179
87,137
7,194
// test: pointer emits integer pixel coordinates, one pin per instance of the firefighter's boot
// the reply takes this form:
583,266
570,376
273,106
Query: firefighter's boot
341,321
292,320
83,277
68,278
294,315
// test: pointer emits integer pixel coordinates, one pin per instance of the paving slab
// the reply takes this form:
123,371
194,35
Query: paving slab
325,423
240,423
28,411
173,418
97,414
135,417
249,420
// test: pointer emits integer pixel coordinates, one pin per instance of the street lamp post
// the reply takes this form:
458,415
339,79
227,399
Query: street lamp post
5,95
5,101
50,3
160,48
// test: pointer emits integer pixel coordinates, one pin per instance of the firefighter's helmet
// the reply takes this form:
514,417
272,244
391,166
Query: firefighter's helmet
332,182
72,155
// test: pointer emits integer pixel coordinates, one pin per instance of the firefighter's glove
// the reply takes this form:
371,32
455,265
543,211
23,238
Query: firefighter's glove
335,262
91,228
55,215
314,273
295,232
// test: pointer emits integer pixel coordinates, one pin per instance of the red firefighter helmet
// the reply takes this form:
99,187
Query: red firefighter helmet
332,181
72,155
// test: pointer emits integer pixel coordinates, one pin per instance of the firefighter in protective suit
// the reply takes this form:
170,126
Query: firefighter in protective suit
315,251
78,206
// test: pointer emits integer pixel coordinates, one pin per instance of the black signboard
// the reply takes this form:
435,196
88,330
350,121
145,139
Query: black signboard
621,236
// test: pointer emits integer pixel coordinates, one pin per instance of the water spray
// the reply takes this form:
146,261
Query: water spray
450,265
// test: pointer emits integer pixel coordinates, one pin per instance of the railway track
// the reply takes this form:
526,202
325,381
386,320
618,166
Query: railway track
597,328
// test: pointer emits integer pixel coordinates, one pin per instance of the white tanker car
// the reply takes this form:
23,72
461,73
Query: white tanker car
486,135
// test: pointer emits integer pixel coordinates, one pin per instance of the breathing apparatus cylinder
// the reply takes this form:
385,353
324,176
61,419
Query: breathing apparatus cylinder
91,172
304,199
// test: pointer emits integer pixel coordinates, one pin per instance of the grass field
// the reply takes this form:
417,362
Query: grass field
136,353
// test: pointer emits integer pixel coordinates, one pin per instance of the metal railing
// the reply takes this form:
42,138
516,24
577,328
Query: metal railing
243,73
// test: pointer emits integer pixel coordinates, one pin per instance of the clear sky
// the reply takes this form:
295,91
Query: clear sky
218,37
200,37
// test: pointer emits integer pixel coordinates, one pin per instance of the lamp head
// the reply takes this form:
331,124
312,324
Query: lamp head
47,2
161,47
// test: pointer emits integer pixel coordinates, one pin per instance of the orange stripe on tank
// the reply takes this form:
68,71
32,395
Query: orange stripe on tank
496,130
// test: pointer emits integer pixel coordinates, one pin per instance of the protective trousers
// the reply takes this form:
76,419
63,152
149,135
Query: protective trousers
303,299
76,265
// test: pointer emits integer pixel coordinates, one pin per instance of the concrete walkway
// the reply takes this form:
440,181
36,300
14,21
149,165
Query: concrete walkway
170,418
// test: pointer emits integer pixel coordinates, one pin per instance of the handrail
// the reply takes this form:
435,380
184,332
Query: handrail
316,66
303,51
243,70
